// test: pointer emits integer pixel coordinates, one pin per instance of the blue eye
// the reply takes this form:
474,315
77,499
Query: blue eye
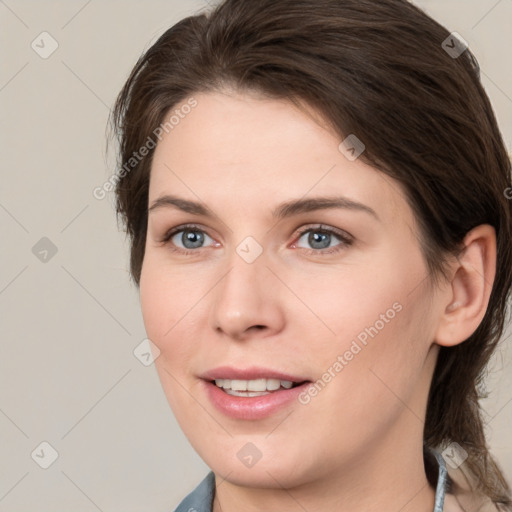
317,239
321,238
190,238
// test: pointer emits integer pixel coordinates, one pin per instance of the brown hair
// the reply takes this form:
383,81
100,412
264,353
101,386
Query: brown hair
376,69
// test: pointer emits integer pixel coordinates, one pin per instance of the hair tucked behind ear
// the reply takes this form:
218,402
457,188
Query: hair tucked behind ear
376,69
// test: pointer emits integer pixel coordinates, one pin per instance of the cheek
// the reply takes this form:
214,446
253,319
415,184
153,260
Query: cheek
380,331
350,304
164,294
167,303
382,363
175,304
155,306
164,303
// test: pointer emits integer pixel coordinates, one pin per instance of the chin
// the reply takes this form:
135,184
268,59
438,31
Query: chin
266,466
262,475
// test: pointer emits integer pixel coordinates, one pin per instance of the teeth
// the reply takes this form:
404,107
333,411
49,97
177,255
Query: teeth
238,385
246,393
257,386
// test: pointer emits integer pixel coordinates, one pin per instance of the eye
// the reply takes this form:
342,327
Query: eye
186,239
320,238
190,239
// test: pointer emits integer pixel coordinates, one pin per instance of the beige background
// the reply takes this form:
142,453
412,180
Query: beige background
68,375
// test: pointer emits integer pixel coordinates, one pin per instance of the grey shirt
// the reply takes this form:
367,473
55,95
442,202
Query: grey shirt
201,498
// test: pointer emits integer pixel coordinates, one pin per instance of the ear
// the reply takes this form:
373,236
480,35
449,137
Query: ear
465,303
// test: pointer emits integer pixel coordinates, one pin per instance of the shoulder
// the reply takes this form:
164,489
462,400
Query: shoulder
457,489
462,494
454,503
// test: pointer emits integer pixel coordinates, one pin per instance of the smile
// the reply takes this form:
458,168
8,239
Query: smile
251,388
251,394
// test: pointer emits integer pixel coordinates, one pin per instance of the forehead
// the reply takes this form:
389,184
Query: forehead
251,150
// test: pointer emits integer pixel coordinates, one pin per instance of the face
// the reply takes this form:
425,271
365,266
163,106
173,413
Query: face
291,275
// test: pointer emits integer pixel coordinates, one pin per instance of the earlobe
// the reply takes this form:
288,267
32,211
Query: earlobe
465,302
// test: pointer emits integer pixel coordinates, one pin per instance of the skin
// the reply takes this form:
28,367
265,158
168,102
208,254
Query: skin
357,445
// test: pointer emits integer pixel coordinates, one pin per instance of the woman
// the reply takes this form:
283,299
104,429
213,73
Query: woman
315,193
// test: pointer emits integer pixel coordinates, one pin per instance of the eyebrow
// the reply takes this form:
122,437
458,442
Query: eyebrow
284,210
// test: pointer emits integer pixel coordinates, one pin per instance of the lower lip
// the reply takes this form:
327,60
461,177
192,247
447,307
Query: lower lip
252,408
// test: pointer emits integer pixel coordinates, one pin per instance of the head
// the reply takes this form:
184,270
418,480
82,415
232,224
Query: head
247,110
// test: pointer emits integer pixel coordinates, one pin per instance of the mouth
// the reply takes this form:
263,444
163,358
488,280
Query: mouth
252,394
254,387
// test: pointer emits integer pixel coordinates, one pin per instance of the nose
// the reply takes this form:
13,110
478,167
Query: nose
247,301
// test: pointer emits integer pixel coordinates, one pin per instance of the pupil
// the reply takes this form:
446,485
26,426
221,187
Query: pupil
322,238
192,239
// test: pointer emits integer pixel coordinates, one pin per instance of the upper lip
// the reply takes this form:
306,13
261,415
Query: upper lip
251,373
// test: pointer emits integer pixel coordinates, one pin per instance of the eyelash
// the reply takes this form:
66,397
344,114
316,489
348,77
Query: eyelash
345,239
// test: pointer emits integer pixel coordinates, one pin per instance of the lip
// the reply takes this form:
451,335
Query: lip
231,373
251,408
